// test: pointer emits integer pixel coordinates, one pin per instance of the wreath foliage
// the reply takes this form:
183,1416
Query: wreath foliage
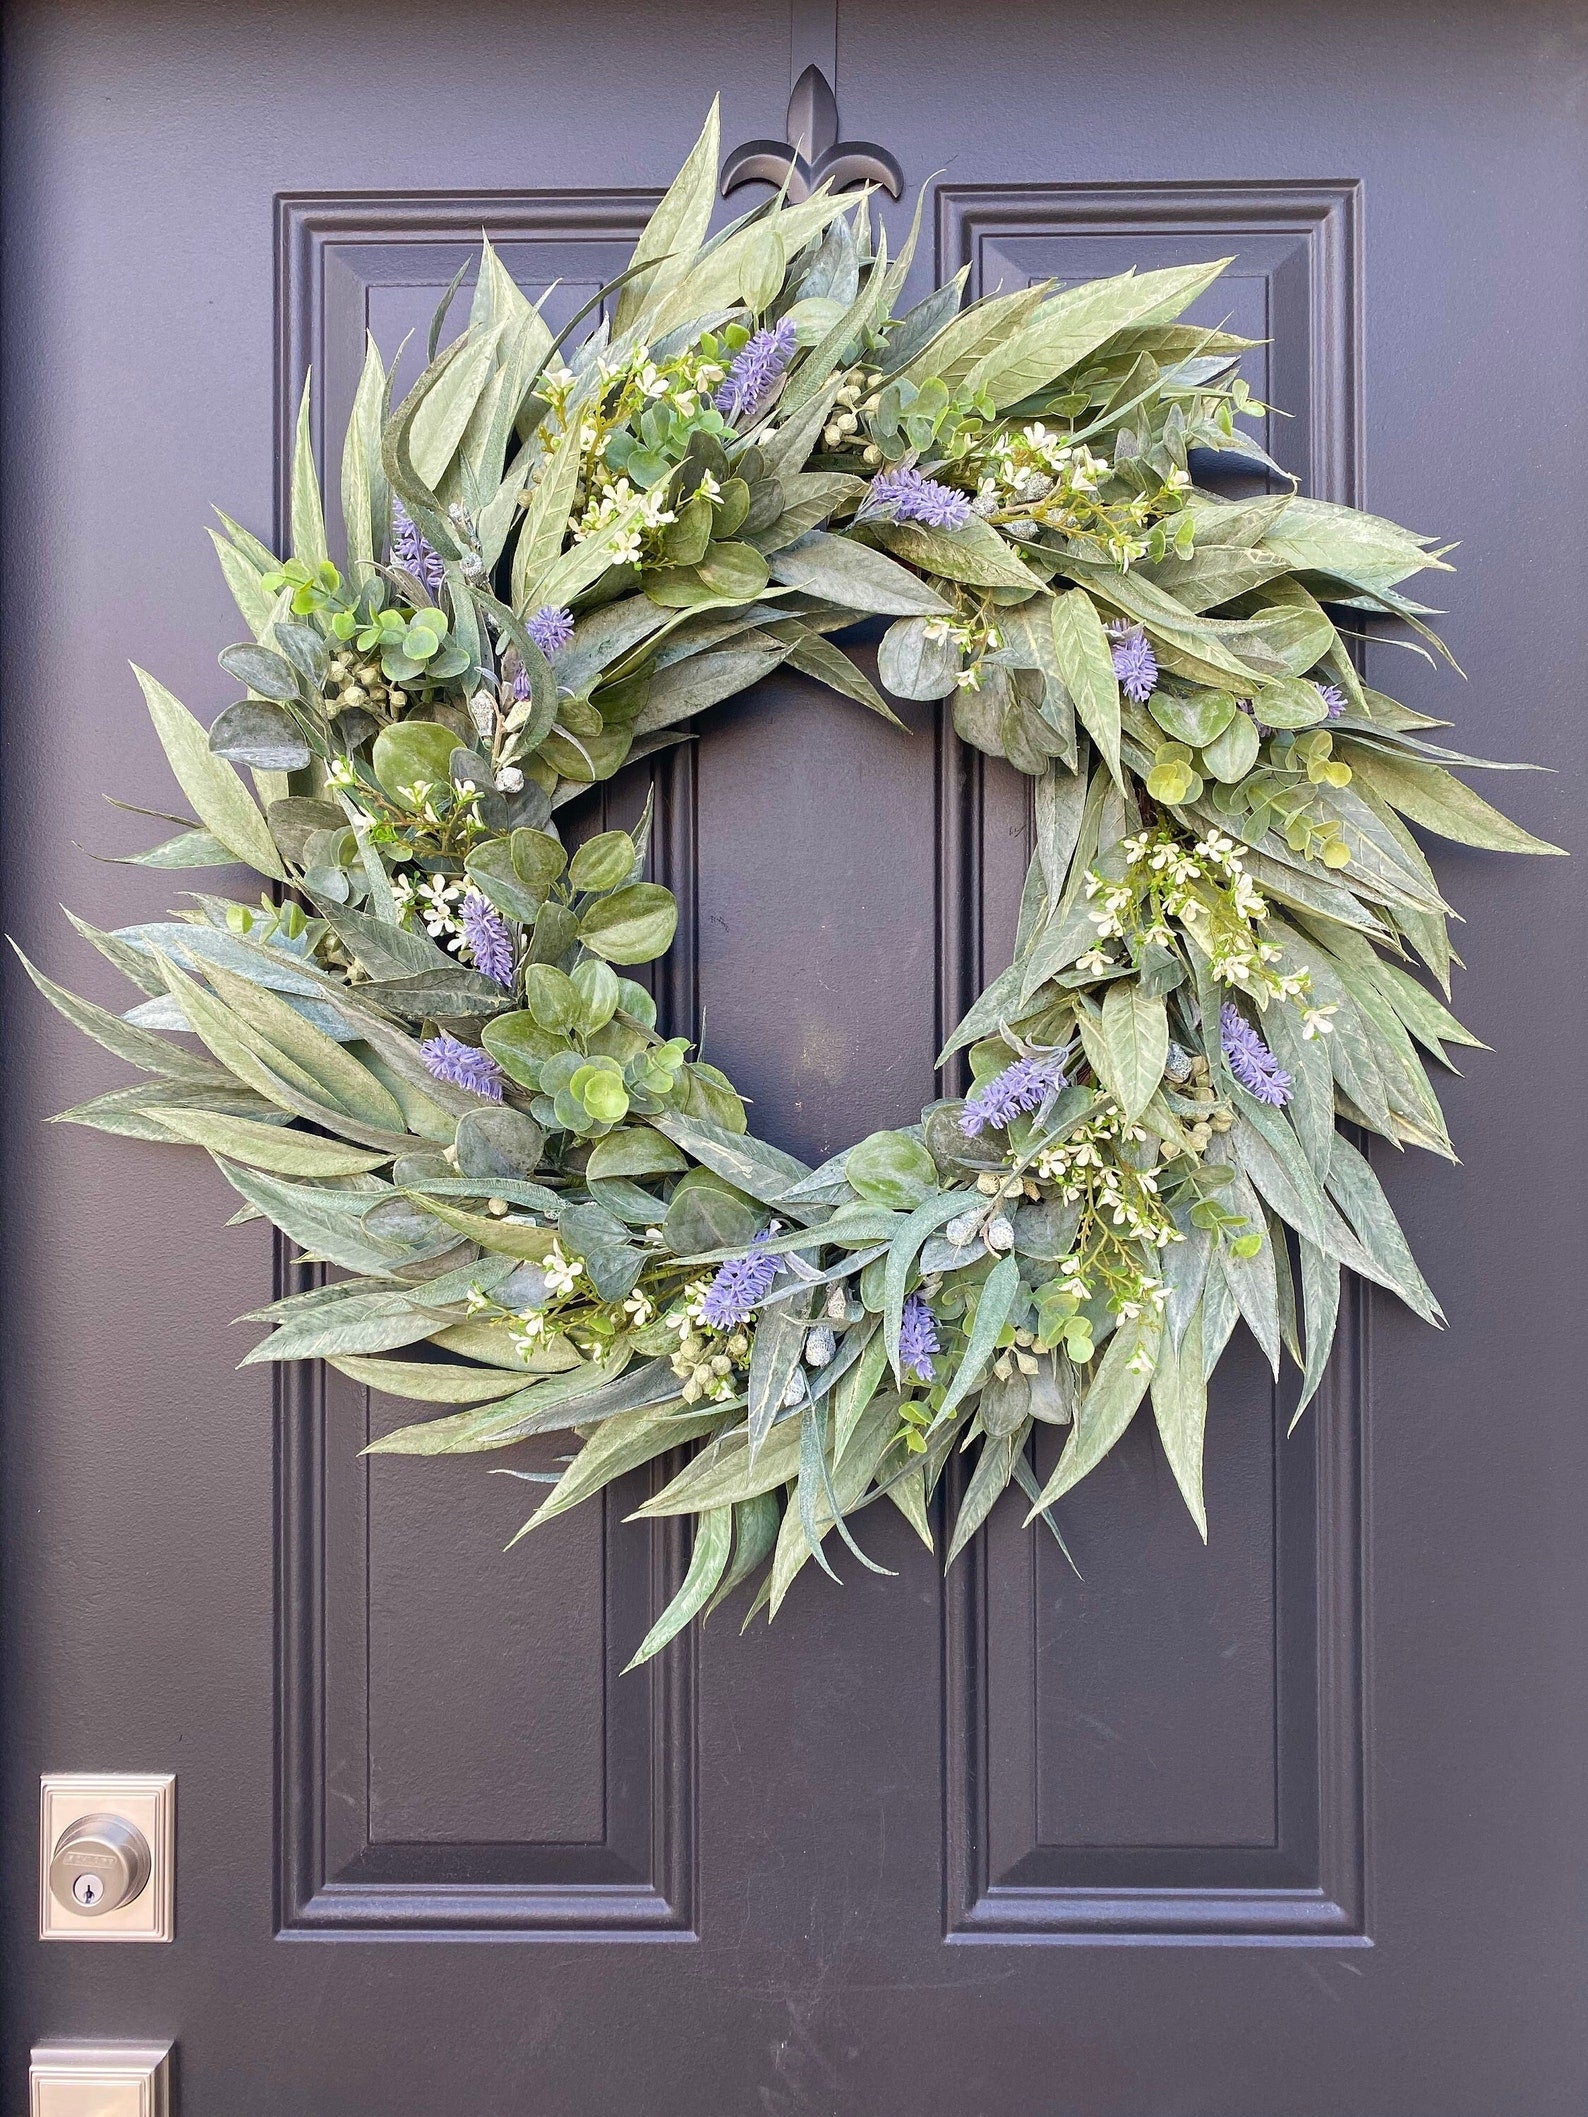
420,1053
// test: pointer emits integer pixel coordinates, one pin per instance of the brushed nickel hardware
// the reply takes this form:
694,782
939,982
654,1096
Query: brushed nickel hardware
99,2080
100,1863
107,1856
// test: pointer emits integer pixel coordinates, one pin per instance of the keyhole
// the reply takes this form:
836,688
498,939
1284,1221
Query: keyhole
88,1889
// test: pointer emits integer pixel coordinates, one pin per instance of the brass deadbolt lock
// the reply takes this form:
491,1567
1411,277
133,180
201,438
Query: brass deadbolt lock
100,1863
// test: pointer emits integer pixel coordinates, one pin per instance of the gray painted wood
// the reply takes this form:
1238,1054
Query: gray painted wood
1292,1825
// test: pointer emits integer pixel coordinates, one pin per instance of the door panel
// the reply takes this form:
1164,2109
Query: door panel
1170,1746
1292,1824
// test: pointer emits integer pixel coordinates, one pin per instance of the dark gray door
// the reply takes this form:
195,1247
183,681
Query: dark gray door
1294,1826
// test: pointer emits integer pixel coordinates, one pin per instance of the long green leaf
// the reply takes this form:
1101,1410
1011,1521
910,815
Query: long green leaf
1108,1406
1087,664
1180,1407
1431,796
992,1312
342,1082
621,1444
1320,1304
144,1048
675,231
994,1468
1135,1035
366,502
713,1539
1078,320
265,1146
308,515
220,800
242,577
429,1381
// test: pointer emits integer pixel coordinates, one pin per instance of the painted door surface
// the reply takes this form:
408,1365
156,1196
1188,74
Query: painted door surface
1293,1827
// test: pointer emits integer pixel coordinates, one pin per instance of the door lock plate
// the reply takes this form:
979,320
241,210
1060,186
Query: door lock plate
99,2080
107,1856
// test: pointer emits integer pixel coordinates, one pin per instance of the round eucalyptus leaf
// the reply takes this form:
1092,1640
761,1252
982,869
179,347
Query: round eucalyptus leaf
422,1166
738,570
294,821
1046,1231
261,669
597,986
708,1216
1005,1405
703,1091
915,663
556,930
416,753
490,868
1232,753
636,1003
891,1169
1290,703
603,862
499,1142
1197,719
952,1148
257,733
537,859
635,1151
606,1098
521,1047
686,541
551,996
633,925
732,509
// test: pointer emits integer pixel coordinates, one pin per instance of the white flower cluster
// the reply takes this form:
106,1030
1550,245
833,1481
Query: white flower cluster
1034,464
682,385
1088,1171
974,637
1207,889
433,901
615,500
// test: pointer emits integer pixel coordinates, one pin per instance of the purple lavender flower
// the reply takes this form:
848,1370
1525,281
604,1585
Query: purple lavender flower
448,1059
739,1285
917,1339
754,370
1135,664
486,937
551,629
1026,1085
1333,697
908,497
1250,1059
413,551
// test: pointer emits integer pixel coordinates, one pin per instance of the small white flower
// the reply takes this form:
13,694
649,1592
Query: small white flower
561,1273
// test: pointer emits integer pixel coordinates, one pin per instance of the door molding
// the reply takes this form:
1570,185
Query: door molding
1005,1879
1310,228
337,1874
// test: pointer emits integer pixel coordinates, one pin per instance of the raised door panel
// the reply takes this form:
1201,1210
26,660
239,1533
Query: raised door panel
460,1750
1167,1745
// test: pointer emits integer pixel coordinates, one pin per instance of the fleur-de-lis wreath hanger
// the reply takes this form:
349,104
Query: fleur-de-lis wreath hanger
814,153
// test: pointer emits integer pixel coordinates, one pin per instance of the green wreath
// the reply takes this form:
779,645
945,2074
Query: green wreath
419,1054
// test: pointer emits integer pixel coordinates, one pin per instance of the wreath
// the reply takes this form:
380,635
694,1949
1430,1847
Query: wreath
421,1056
